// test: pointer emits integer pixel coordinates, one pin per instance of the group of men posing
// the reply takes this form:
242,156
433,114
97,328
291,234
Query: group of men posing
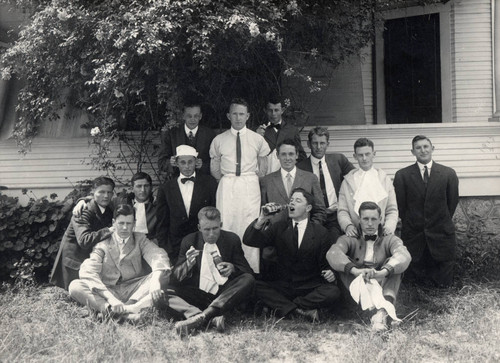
247,216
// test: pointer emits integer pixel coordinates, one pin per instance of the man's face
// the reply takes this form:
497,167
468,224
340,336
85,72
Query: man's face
287,156
238,115
103,195
369,221
422,150
364,155
274,112
186,164
318,146
142,190
192,116
298,207
210,229
124,225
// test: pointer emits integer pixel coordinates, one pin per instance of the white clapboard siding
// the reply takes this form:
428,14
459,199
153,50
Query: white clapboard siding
472,72
473,150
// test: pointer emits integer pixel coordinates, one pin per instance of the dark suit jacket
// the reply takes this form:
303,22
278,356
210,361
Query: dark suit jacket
272,189
287,131
174,223
301,267
177,136
151,212
229,245
426,214
338,166
80,237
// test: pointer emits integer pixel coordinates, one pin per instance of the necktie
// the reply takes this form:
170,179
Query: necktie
238,154
370,238
191,139
323,185
296,234
277,127
426,175
289,183
185,180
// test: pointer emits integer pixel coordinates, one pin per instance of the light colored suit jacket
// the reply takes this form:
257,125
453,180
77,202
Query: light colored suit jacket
104,267
272,189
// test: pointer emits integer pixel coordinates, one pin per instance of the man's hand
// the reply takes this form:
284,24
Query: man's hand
79,208
387,231
367,273
198,163
380,275
155,290
261,130
112,229
351,231
225,269
191,255
263,218
117,306
328,275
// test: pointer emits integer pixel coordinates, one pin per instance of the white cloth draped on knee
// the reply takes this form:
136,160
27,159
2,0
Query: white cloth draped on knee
369,295
238,200
210,278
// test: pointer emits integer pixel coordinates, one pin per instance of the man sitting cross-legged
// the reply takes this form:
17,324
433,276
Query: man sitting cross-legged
111,279
304,280
212,271
372,255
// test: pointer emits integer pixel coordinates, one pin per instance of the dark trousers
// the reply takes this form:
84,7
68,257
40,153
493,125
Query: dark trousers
284,297
230,294
427,268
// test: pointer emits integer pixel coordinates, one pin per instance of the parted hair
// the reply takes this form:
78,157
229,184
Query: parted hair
319,131
102,180
210,213
124,210
309,197
363,142
288,142
239,101
418,138
141,175
369,206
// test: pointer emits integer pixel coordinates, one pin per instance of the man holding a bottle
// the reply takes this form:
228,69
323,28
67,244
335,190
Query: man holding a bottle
211,272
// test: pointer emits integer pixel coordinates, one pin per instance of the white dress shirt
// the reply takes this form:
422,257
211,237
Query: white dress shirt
186,191
422,168
284,177
369,251
188,130
301,228
330,188
141,223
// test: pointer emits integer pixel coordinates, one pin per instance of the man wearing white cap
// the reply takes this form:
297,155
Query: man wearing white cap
179,200
238,158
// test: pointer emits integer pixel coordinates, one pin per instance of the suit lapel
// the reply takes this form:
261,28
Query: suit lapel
434,177
308,165
177,196
199,243
417,179
288,237
280,187
114,251
299,178
180,136
197,189
308,238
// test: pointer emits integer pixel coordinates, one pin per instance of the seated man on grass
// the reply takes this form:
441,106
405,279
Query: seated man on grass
371,256
304,281
112,281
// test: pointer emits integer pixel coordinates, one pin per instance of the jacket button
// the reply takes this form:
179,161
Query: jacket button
357,259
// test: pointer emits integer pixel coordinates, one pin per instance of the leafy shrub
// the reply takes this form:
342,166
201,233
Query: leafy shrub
30,235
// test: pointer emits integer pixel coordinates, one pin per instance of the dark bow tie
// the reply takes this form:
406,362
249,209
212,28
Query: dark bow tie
184,180
277,126
370,238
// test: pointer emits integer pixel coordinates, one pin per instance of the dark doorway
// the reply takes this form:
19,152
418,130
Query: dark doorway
412,70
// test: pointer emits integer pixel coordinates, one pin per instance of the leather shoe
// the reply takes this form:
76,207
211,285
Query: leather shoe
311,315
379,321
186,327
219,323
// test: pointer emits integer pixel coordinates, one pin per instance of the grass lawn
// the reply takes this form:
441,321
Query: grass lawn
42,324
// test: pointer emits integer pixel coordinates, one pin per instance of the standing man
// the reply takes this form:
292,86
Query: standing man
330,177
238,158
83,233
277,131
373,256
141,198
277,186
366,184
189,133
179,200
215,284
427,195
304,280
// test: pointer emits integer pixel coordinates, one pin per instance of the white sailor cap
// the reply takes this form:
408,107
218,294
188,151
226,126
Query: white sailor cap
186,150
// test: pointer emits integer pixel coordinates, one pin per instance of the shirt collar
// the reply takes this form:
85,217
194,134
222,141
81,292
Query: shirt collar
421,166
102,209
242,131
316,160
119,239
187,129
292,172
302,224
